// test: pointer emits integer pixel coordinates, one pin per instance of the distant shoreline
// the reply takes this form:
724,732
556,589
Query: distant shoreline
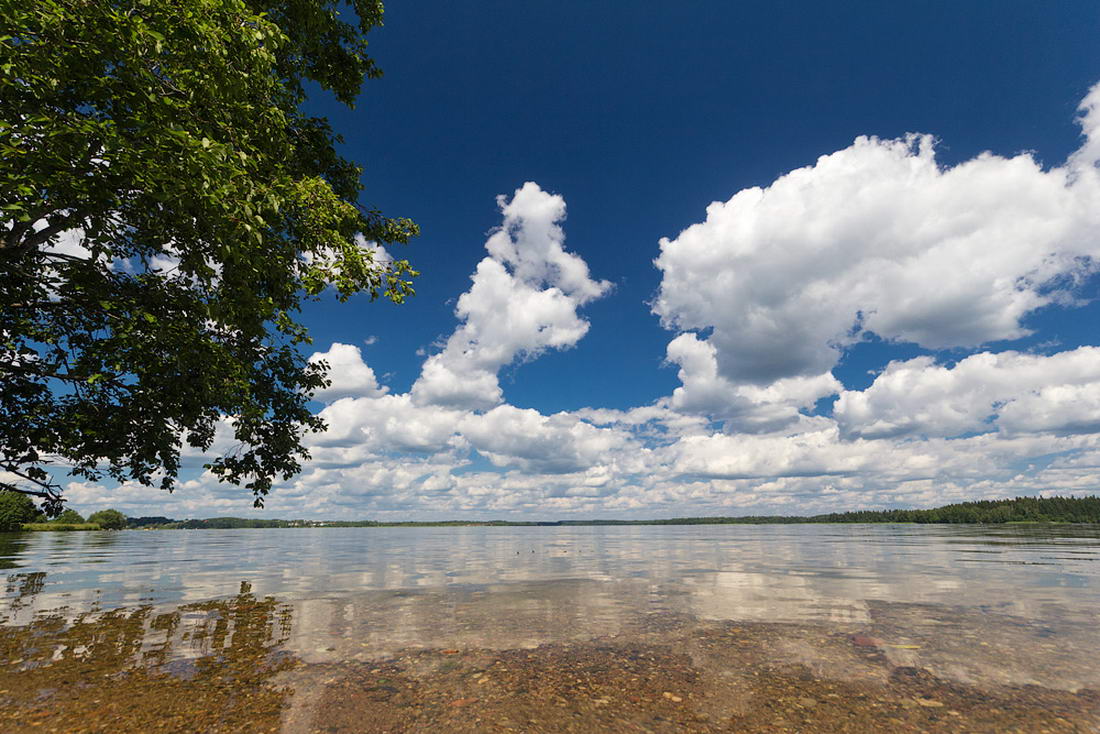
1060,510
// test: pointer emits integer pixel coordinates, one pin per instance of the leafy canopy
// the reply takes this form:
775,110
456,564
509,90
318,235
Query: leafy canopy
15,509
166,207
69,517
108,519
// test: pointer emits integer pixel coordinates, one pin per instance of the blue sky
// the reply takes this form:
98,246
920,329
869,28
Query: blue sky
864,318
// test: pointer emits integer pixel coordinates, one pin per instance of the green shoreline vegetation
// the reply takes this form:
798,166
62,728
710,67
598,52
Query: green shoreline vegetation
1016,510
1079,510
18,512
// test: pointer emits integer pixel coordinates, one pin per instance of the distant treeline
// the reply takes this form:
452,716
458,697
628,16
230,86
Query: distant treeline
1020,509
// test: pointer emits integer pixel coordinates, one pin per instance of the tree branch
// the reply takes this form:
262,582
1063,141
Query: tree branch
43,235
52,501
18,229
63,377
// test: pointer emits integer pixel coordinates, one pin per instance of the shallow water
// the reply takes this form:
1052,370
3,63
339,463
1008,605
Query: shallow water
659,628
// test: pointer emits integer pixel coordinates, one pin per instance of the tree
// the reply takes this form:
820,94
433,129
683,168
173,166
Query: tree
166,208
69,517
108,519
15,509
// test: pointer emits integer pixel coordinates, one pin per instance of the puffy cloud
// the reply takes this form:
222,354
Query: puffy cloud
810,470
745,406
523,300
524,438
1018,393
1088,155
872,473
1058,408
657,419
373,426
880,238
349,374
814,453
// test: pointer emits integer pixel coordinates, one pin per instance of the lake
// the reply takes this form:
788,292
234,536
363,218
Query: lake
626,628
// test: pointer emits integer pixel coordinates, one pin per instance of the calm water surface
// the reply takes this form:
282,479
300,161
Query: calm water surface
785,572
996,606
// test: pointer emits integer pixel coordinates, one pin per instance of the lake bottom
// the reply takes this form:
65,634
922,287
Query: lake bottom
545,656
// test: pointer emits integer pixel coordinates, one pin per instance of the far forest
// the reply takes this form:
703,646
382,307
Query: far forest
1017,510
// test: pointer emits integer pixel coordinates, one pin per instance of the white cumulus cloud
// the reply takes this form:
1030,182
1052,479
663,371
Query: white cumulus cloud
348,374
879,237
1020,393
525,438
523,300
744,406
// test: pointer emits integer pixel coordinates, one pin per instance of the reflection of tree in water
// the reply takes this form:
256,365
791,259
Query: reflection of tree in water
21,588
198,667
12,545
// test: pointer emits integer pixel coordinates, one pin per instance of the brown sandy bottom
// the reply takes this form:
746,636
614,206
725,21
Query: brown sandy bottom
222,666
